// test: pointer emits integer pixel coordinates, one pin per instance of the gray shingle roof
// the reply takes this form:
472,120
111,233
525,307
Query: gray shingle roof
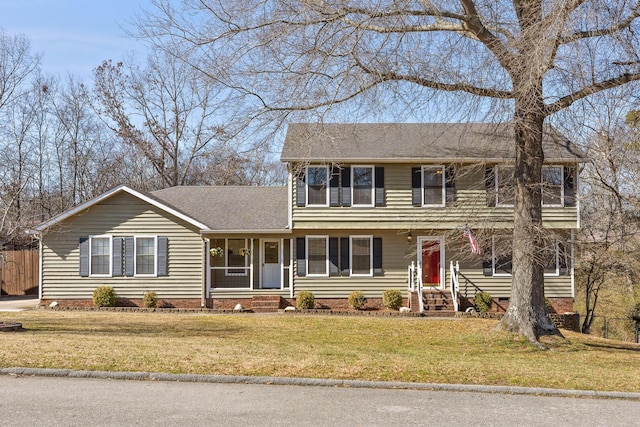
230,208
397,142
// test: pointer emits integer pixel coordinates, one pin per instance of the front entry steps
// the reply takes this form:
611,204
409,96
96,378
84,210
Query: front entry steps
267,303
437,303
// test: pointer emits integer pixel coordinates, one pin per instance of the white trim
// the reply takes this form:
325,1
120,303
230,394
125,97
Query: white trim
370,238
372,189
263,263
326,259
440,239
326,191
110,262
135,255
443,198
289,200
104,196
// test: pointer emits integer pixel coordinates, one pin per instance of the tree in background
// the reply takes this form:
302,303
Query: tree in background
523,60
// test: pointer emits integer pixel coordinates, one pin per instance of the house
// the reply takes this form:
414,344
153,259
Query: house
423,208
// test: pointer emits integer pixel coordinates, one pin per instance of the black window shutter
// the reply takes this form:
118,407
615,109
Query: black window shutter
569,186
84,256
344,256
487,267
163,256
300,257
346,186
334,261
377,256
128,256
301,189
416,186
379,178
117,256
334,187
450,184
490,185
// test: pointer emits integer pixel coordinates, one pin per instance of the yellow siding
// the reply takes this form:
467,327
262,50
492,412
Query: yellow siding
122,215
398,255
470,208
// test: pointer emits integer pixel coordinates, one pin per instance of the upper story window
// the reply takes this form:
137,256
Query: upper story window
317,185
505,186
558,185
432,186
362,185
552,185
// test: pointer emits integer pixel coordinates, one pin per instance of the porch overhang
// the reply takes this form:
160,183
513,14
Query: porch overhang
205,233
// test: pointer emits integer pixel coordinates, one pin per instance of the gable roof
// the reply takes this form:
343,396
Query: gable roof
108,194
210,209
231,208
414,142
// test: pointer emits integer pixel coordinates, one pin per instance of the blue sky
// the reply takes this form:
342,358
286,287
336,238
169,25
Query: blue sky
74,36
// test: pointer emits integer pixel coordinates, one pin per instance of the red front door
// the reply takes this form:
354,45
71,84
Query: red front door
431,263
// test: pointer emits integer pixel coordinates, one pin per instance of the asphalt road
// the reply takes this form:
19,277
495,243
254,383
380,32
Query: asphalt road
65,401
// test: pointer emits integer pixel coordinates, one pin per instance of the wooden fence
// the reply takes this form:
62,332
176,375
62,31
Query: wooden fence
20,272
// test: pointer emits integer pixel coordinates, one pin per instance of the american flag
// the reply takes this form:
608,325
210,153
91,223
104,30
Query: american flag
475,248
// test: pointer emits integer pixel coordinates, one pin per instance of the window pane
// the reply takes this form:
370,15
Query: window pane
234,258
100,255
317,258
433,179
552,184
317,185
362,186
502,255
361,255
145,255
551,259
506,185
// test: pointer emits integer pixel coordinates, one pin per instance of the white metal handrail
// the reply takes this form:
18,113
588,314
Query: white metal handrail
415,283
455,283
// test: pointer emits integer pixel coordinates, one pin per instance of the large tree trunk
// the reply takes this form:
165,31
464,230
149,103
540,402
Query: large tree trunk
527,313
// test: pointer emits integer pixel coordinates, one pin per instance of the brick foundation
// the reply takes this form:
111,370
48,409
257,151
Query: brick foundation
500,305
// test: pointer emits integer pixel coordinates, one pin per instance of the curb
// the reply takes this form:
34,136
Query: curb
229,379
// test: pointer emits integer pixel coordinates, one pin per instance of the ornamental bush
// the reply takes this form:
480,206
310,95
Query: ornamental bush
392,299
105,296
150,300
305,300
357,300
483,301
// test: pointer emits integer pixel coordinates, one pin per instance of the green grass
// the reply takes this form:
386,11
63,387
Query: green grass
465,351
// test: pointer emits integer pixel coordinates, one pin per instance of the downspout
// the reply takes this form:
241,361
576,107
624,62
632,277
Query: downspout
203,298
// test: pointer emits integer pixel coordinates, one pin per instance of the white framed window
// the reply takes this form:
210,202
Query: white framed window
552,186
362,186
505,186
361,250
502,255
433,186
317,180
100,250
145,261
236,256
318,256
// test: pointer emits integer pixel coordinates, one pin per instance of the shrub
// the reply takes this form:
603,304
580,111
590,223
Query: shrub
548,306
483,301
150,300
357,300
105,296
392,299
305,300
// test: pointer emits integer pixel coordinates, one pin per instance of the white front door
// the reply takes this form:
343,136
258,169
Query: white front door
271,269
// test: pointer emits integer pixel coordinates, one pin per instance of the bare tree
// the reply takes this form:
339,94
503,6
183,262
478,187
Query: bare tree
528,58
169,113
